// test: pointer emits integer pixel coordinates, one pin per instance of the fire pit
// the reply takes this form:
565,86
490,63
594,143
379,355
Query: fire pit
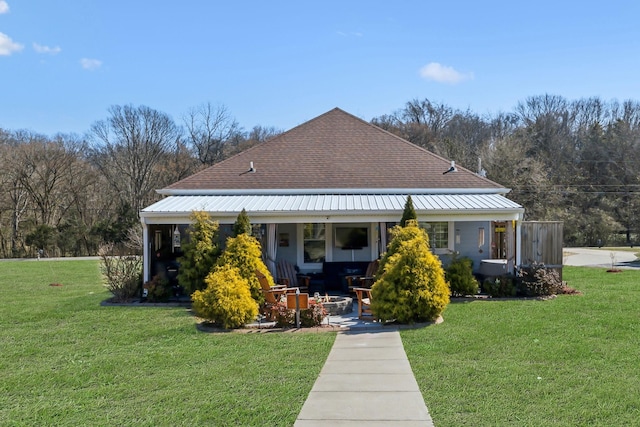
337,306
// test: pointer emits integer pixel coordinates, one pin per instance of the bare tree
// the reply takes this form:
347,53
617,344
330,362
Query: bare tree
13,195
47,173
257,135
507,162
463,138
129,148
262,133
210,129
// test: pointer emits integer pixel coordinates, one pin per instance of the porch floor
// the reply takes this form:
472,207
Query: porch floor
346,322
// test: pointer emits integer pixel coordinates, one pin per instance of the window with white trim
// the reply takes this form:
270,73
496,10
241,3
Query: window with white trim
438,234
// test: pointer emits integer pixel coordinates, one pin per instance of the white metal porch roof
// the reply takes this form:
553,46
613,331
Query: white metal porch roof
321,204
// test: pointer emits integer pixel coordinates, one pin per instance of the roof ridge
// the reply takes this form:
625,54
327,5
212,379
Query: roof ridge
333,150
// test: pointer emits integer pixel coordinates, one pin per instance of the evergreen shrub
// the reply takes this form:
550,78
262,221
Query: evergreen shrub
242,224
460,276
409,212
410,286
245,253
226,300
200,252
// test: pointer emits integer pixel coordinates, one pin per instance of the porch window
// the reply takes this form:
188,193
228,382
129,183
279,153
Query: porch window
438,234
314,243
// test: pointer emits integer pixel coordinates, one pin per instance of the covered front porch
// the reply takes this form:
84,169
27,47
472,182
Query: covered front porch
317,231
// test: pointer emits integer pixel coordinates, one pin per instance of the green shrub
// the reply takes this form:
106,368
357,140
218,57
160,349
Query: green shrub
409,212
538,280
226,300
200,252
459,274
158,289
244,253
242,224
410,286
500,287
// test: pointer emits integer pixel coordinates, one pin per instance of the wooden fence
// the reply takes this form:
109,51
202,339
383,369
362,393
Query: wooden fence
542,242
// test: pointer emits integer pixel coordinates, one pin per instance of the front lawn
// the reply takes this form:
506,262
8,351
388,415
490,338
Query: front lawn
571,361
67,361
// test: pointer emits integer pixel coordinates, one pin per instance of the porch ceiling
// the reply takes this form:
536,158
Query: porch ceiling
332,204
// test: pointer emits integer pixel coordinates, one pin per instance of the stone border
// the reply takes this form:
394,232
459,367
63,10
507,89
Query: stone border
269,327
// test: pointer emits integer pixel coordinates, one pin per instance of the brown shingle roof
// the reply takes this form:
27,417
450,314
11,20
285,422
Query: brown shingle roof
335,150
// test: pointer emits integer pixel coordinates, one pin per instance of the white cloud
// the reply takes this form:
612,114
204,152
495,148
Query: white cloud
8,46
46,49
4,7
90,64
443,74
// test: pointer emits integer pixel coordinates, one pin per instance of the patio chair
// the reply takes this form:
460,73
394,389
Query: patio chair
364,303
365,281
272,294
290,277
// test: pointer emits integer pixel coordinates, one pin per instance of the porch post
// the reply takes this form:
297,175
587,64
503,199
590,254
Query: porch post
145,252
518,243
511,246
272,248
382,226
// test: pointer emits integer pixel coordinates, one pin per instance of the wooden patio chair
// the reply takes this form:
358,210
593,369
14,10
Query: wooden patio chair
364,303
365,281
272,294
289,276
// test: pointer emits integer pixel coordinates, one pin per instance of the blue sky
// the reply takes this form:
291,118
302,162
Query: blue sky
280,63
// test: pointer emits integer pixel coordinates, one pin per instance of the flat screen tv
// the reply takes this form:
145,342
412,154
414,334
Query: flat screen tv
352,237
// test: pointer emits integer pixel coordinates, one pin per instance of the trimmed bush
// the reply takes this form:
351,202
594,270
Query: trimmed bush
410,285
460,276
244,253
226,300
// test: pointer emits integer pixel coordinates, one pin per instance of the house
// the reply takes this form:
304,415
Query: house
329,189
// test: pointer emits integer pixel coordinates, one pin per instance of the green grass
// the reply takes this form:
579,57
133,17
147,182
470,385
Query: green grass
571,361
67,361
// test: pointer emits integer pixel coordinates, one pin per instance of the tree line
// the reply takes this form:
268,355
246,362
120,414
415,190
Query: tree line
66,195
574,161
570,160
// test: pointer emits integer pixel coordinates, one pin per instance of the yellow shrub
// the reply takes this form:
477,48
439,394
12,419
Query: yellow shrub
226,300
411,286
244,253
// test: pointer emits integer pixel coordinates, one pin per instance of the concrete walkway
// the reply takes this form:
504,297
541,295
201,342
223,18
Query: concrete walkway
366,381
